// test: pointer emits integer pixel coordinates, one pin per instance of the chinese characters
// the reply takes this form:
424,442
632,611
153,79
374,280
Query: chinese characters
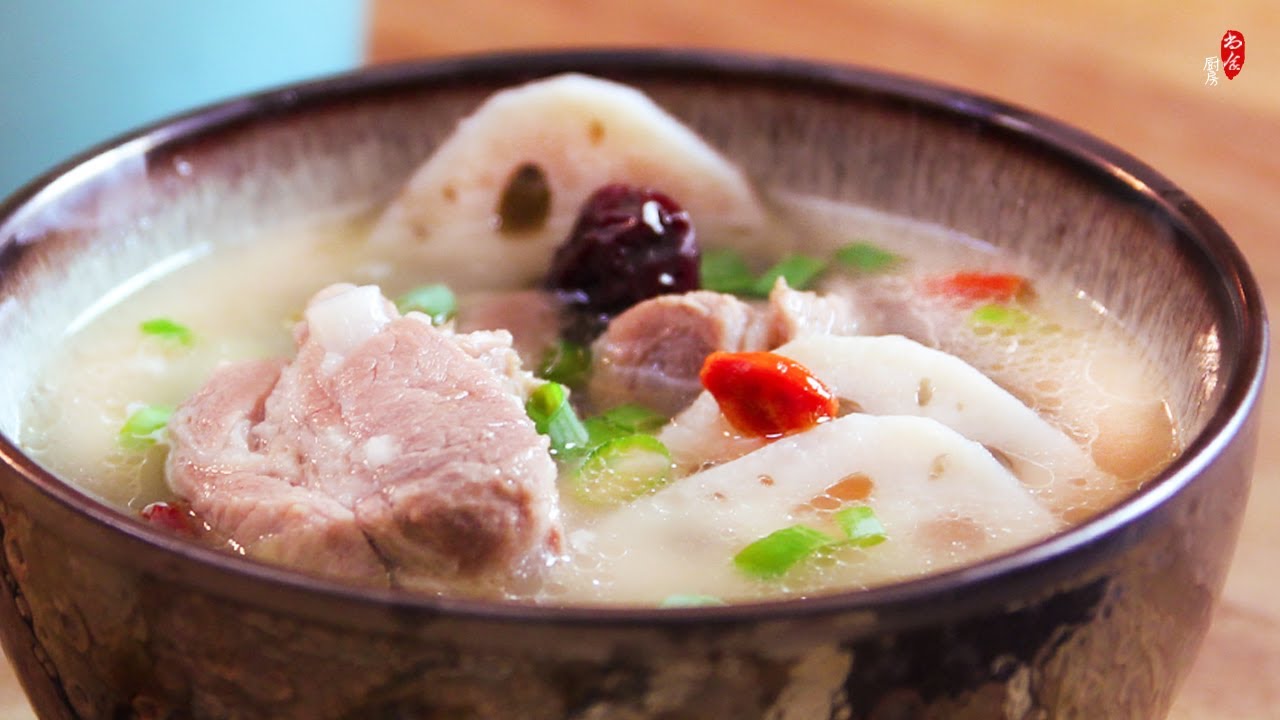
1229,61
1232,53
1211,66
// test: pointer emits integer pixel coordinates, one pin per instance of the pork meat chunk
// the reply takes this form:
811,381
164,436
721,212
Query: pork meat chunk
531,316
652,353
387,452
796,313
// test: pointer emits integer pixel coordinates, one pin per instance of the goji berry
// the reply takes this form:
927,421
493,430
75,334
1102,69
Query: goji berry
765,394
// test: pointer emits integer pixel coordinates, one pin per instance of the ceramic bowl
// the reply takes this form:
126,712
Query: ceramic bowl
105,617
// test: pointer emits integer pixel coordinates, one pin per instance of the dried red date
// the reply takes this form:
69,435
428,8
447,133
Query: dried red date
629,244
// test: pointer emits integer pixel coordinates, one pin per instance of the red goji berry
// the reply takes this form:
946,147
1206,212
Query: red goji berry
765,394
977,286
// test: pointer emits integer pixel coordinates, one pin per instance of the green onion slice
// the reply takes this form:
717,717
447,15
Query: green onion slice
169,331
775,553
799,271
548,406
689,600
565,430
779,551
863,257
567,363
543,401
622,421
435,301
633,418
860,525
999,316
144,427
724,270
600,431
621,470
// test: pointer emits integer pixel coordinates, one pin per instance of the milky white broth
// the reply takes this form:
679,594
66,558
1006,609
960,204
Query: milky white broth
242,298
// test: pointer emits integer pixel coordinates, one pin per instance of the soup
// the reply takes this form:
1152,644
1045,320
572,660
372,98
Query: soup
586,391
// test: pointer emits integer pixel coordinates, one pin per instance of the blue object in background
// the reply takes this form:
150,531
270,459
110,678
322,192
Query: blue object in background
76,72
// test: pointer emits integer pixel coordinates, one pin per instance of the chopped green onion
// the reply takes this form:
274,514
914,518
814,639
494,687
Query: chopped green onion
798,270
548,406
621,470
724,270
860,525
996,315
775,553
435,301
601,431
567,363
143,427
689,600
864,257
566,430
168,331
622,421
635,418
544,401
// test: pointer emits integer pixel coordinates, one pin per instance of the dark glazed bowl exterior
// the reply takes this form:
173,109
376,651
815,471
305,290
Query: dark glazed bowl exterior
104,617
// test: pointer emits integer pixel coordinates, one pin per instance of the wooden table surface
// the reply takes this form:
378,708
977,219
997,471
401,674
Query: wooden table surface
1130,72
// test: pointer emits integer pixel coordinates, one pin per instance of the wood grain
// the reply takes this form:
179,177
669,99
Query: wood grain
1128,71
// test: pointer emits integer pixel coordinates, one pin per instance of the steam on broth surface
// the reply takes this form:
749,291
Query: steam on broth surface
972,405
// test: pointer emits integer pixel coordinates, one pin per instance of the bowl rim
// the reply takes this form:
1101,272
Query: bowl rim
968,586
